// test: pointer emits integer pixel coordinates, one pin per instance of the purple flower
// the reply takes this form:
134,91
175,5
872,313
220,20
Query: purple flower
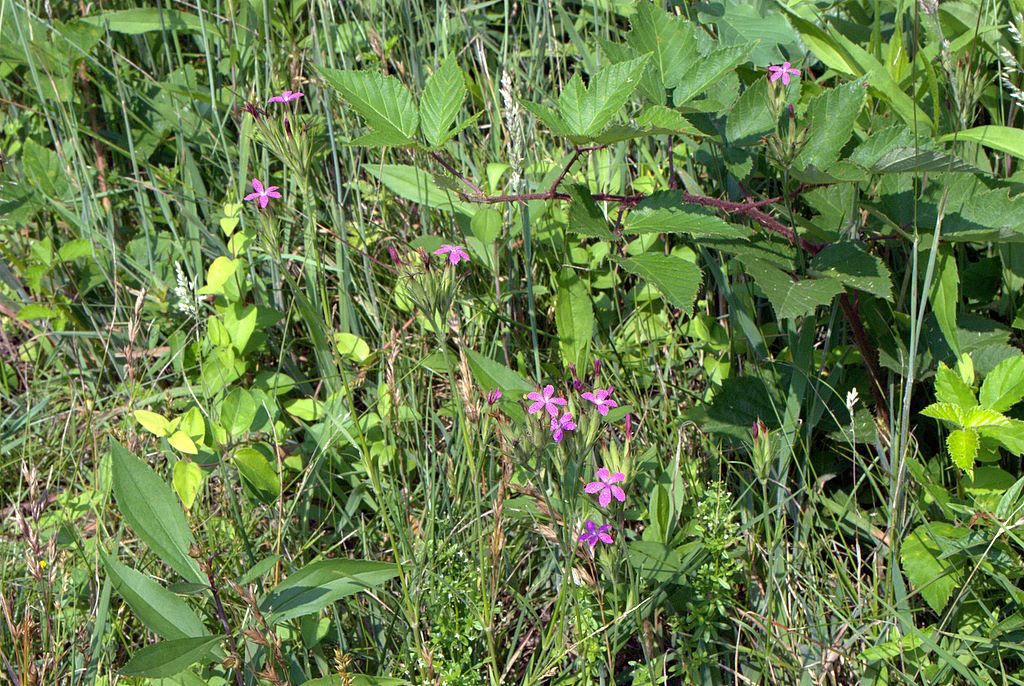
606,486
395,257
563,423
595,533
261,194
547,401
493,397
600,398
455,253
783,72
286,96
629,426
597,368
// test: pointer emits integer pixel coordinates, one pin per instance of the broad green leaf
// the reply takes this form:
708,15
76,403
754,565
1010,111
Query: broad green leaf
709,69
258,472
902,160
74,250
240,321
167,658
151,422
978,417
548,117
963,447
945,296
751,117
491,374
221,278
1001,138
1004,386
658,119
383,101
32,312
574,318
237,412
145,20
945,412
188,479
442,98
830,121
934,577
671,42
411,183
318,584
850,264
822,45
1009,435
352,346
159,610
588,109
306,409
151,510
663,212
585,217
1009,504
183,443
951,389
791,298
677,279
654,560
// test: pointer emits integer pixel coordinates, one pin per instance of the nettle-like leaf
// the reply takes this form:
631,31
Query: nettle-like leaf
677,279
950,388
751,117
587,110
708,70
933,575
831,116
658,119
1004,386
850,264
383,101
442,97
672,43
790,298
585,217
963,445
663,212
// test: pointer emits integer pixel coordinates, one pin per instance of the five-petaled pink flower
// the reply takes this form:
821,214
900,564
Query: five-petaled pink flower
455,253
606,486
600,398
595,533
546,401
561,424
262,194
783,72
286,96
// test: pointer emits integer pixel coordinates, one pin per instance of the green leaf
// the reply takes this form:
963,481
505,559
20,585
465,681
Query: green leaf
963,447
188,479
167,658
708,71
658,119
979,417
585,217
1001,138
152,422
385,104
663,212
159,610
790,298
901,160
671,42
574,318
151,510
850,264
588,109
442,98
1010,435
944,296
237,412
945,412
751,116
240,322
419,186
654,560
1004,386
934,577
221,278
32,312
144,20
321,583
258,473
183,443
677,279
352,346
548,117
951,389
831,118
490,374
356,680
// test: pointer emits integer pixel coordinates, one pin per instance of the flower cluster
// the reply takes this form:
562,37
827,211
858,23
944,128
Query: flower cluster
262,195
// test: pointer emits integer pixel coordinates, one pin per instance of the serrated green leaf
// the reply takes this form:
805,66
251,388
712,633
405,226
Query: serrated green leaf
978,417
708,71
1010,435
950,388
751,116
1004,386
548,117
963,447
411,183
854,267
831,117
791,298
663,212
658,119
946,412
677,279
574,318
587,110
1001,138
670,40
383,101
159,610
442,98
151,510
934,578
168,658
585,217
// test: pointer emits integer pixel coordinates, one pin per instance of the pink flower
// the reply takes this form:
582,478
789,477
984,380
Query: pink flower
286,96
595,533
783,72
493,397
600,398
261,194
563,423
606,486
455,253
548,401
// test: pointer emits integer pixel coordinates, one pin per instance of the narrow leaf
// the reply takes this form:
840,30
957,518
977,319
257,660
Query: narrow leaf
162,612
321,583
168,658
574,318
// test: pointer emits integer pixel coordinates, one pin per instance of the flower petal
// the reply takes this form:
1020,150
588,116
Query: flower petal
257,185
605,499
536,407
617,477
593,487
603,474
606,538
252,196
549,391
619,494
264,200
